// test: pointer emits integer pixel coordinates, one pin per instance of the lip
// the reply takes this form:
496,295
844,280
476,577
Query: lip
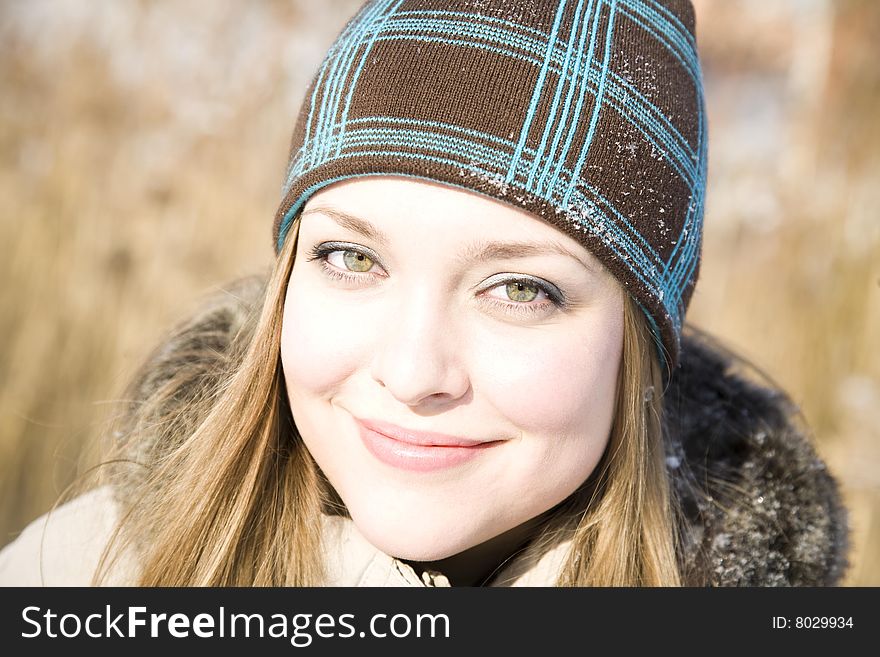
419,451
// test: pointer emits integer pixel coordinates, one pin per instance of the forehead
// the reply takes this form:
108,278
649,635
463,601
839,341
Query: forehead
391,195
394,209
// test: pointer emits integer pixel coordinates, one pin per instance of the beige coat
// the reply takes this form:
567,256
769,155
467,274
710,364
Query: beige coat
63,548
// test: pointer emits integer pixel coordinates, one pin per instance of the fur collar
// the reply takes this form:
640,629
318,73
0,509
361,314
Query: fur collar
759,506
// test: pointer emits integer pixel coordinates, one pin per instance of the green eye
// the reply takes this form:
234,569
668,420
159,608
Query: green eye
522,291
356,261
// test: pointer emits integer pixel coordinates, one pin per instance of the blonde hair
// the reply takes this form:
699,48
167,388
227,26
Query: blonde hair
226,493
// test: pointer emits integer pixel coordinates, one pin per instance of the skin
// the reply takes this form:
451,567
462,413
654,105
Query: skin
427,338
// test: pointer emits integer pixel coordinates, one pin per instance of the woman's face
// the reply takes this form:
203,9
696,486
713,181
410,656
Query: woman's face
451,361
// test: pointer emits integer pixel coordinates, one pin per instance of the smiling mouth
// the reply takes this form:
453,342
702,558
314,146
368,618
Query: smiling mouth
426,438
418,451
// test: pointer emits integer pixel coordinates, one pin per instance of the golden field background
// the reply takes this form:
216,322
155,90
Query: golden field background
143,146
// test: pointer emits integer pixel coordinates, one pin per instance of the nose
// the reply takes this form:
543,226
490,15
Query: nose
419,358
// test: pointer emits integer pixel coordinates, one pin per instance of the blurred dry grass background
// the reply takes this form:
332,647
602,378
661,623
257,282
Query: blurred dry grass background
143,146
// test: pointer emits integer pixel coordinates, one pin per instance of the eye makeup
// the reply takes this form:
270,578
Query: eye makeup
321,252
547,297
506,283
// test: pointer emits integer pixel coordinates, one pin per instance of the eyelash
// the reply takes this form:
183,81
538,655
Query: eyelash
321,251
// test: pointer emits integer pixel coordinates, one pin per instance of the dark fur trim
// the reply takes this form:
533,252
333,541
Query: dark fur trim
759,506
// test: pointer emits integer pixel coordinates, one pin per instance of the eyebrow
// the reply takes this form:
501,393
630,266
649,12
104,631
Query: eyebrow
352,223
506,250
476,251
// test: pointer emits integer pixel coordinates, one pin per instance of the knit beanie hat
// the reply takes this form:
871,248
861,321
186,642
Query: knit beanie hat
587,113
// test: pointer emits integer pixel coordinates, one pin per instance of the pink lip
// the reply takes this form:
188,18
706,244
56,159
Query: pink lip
420,451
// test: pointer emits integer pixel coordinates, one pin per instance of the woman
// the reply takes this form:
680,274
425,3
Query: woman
467,366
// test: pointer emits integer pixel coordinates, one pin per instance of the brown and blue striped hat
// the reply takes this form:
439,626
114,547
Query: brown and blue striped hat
586,113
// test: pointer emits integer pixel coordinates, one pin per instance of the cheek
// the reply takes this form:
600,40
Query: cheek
563,385
560,394
321,344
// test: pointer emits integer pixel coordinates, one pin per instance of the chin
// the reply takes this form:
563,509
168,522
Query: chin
416,542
